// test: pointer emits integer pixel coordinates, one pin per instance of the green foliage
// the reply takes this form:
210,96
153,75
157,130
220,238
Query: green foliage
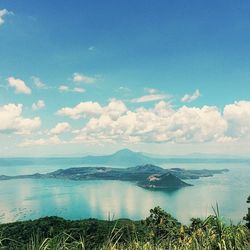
158,231
247,217
161,225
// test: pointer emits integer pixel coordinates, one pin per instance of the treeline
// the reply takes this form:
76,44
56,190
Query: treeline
158,231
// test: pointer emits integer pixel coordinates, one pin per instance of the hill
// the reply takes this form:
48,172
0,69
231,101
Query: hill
158,229
163,181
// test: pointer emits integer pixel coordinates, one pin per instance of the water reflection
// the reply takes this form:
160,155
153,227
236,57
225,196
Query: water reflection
30,199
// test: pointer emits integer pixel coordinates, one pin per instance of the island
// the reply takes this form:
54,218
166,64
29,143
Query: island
146,176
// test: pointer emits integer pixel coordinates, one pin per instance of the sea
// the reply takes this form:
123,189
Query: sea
24,199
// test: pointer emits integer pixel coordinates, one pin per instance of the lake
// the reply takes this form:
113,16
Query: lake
32,198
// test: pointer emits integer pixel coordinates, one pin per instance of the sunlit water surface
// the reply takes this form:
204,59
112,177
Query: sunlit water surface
31,199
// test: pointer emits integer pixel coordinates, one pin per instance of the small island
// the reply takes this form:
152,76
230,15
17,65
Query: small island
146,176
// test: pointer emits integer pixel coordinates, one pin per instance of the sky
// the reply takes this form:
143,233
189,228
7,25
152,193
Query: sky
162,77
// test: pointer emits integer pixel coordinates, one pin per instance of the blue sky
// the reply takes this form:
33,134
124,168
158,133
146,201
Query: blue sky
182,54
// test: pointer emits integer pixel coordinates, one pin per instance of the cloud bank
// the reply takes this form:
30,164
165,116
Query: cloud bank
160,124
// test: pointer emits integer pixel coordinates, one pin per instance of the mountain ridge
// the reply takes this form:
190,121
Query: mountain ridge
121,158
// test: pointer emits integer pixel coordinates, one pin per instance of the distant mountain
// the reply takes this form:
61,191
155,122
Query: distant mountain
124,157
128,158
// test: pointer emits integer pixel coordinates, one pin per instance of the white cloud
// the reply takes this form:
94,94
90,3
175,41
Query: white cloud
80,78
38,83
64,88
91,48
11,120
83,109
60,128
159,124
19,85
4,13
192,97
162,124
149,98
54,140
38,105
238,117
114,109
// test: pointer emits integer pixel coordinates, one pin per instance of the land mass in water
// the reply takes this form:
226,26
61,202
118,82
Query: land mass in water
146,176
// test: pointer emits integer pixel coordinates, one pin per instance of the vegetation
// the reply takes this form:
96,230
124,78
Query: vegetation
247,217
158,231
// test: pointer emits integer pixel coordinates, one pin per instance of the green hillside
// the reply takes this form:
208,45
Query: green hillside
157,232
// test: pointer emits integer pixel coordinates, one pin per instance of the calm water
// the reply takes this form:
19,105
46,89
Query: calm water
30,199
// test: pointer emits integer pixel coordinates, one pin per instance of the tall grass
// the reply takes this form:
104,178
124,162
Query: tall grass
213,234
209,234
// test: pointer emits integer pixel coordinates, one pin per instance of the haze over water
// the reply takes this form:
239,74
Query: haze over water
32,198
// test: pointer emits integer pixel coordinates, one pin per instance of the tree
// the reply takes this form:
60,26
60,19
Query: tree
162,225
247,217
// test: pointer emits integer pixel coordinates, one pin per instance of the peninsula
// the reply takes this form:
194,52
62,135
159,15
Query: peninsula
146,176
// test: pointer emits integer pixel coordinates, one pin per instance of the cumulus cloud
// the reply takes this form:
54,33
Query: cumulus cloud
159,124
88,109
12,121
38,105
149,98
83,109
4,13
81,78
38,83
162,123
238,117
114,109
192,97
19,86
64,88
60,128
53,140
